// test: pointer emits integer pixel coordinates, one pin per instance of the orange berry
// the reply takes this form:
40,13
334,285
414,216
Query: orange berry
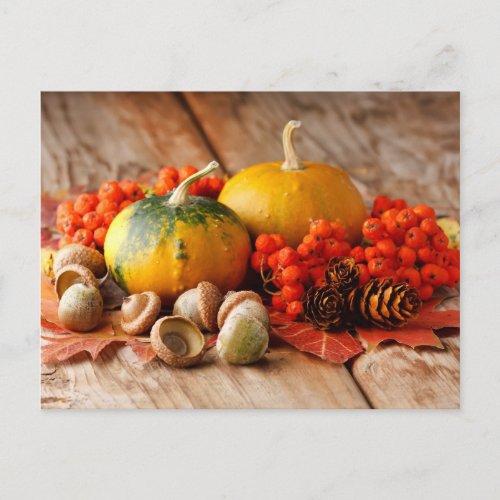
364,274
295,308
305,250
164,186
279,239
321,228
453,276
440,241
292,292
170,172
415,238
373,229
106,206
412,277
425,291
132,190
332,248
426,254
265,244
358,254
186,171
380,205
66,239
100,236
288,256
400,204
432,274
395,230
453,256
429,226
441,259
83,237
291,275
317,272
92,220
407,256
387,247
85,203
378,267
71,222
108,218
372,253
407,218
389,215
124,204
111,191
424,212
65,207
338,230
272,260
344,248
258,261
278,303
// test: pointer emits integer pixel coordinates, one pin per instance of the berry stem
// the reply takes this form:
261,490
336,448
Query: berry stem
180,195
292,161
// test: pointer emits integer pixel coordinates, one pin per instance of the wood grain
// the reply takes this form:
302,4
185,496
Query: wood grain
403,144
284,379
91,137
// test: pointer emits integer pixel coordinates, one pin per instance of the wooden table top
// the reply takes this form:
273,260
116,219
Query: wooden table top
401,144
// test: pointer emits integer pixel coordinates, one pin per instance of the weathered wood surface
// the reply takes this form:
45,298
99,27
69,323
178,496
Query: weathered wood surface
395,143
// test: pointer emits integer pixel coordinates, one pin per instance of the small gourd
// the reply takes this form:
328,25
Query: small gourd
284,197
169,244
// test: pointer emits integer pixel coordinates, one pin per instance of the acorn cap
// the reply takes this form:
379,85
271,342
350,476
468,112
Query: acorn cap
80,254
178,341
209,300
232,301
139,312
72,274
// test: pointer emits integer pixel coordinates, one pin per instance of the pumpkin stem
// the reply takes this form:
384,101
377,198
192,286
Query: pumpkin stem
292,161
180,195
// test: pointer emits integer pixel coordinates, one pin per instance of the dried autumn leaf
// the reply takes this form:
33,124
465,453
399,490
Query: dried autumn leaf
333,347
418,332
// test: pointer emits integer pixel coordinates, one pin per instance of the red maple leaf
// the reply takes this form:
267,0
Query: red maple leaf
334,347
419,332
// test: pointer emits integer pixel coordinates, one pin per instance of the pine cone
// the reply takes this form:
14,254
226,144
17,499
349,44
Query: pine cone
382,304
343,272
324,307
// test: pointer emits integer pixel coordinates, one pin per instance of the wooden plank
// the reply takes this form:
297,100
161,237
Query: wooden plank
90,137
284,379
402,144
94,136
398,143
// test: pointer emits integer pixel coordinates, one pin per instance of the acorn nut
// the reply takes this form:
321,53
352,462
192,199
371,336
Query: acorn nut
234,299
80,307
242,340
200,305
139,312
178,341
72,274
80,254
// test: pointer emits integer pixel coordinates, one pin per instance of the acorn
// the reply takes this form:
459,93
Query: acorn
178,341
139,312
242,340
200,305
80,307
252,304
72,274
80,254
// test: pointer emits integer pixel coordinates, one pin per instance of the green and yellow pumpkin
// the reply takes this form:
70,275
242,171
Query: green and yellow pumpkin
284,197
168,244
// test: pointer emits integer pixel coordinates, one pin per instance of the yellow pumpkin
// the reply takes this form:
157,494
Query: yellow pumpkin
285,197
168,244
